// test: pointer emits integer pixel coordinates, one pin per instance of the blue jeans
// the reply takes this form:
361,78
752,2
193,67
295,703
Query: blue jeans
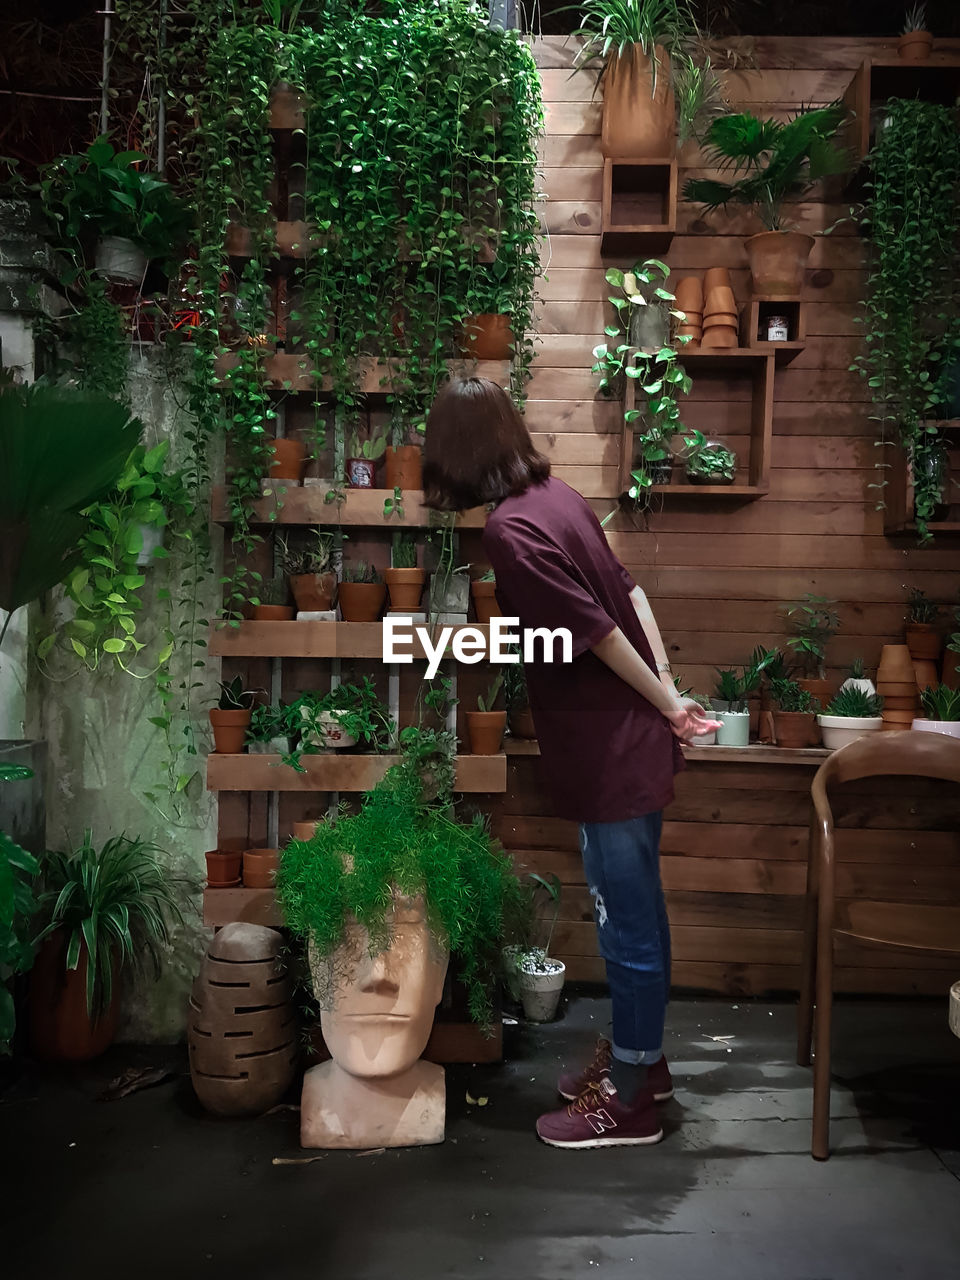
622,865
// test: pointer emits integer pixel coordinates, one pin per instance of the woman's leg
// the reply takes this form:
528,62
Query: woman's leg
622,865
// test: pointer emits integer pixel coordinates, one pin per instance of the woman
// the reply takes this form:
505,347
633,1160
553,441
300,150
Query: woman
609,724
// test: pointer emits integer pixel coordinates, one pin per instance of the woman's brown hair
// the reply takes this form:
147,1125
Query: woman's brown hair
477,448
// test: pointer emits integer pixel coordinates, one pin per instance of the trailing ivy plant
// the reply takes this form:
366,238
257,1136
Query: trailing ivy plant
912,309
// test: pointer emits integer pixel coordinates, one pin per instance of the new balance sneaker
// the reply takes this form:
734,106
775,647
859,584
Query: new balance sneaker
571,1086
599,1119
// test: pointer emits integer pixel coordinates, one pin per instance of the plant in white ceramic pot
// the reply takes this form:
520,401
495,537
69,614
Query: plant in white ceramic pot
942,711
730,703
852,713
532,975
858,679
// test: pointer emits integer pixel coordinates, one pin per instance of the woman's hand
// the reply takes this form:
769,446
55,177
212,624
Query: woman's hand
690,721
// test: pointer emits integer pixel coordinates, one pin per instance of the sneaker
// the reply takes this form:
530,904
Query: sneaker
598,1119
571,1086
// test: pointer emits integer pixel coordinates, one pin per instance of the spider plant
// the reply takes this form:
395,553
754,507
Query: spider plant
612,26
116,903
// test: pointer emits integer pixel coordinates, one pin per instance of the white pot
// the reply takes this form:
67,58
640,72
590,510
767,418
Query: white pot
862,683
706,739
152,536
120,259
450,595
838,731
326,730
950,727
540,990
954,1015
734,730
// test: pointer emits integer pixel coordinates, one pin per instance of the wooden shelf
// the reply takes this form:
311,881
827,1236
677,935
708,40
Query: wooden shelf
686,490
898,513
936,79
246,906
290,371
312,640
306,504
339,772
638,206
753,316
292,239
755,753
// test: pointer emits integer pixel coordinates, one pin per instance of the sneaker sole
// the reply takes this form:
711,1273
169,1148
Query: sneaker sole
657,1097
604,1142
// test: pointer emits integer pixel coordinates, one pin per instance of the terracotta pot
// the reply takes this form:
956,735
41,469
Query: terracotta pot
725,336
223,868
486,337
313,592
899,691
405,587
485,731
720,320
925,673
638,121
896,665
777,260
260,868
361,601
361,473
898,702
915,46
689,294
305,830
485,601
273,612
520,720
229,730
290,460
795,729
950,675
923,642
403,467
720,298
901,718
822,690
60,1030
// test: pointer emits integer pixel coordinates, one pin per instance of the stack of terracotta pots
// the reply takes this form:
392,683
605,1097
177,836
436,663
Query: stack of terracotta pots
925,645
720,321
897,685
689,300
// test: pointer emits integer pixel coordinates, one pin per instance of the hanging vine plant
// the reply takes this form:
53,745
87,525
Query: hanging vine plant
912,310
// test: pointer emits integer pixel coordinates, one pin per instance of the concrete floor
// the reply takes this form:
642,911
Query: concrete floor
151,1187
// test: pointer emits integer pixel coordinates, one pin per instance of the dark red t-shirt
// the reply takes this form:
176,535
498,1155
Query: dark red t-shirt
608,753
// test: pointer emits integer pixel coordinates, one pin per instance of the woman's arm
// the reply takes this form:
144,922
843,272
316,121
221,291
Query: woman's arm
641,606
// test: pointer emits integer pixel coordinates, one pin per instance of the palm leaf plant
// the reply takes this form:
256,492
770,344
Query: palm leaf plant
115,904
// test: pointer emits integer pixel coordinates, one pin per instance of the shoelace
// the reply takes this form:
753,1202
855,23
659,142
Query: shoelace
591,1076
591,1098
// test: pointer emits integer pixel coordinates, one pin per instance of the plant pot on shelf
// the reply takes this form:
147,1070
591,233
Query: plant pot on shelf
822,690
405,587
896,666
449,593
950,727
403,467
914,46
117,258
901,702
520,722
276,746
923,642
706,739
486,337
223,868
777,260
289,460
540,983
230,729
485,601
689,295
485,731
60,1029
734,728
795,728
313,592
840,731
925,673
304,830
716,278
326,730
273,612
639,116
660,470
361,473
260,868
361,601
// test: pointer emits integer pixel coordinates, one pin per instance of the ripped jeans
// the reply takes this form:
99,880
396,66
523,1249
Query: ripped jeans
622,865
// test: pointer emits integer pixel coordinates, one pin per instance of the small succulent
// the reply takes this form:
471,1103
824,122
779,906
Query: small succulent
915,18
922,610
941,703
360,572
234,697
854,703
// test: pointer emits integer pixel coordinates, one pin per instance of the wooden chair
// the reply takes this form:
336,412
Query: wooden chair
906,926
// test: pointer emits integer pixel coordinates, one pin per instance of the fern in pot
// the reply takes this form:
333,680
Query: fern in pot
852,713
794,714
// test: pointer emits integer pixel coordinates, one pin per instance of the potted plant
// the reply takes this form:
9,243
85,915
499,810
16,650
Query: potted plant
109,198
814,624
487,330
538,977
709,461
224,868
231,717
260,868
857,679
270,603
449,584
483,591
705,739
105,910
942,708
361,593
916,41
635,44
779,162
403,467
309,573
345,716
921,637
289,459
640,350
269,731
794,714
362,459
519,716
851,714
404,581
485,726
733,689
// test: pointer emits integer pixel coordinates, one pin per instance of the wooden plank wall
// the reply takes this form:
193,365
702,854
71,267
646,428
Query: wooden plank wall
734,845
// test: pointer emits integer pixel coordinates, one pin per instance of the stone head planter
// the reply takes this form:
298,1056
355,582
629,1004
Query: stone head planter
377,1012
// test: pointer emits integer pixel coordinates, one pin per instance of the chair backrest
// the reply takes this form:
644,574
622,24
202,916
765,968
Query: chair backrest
906,753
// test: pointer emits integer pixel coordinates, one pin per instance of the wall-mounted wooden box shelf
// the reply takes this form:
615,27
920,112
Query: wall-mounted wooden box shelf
898,494
293,239
722,368
339,772
878,79
639,206
311,640
290,371
306,504
753,326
